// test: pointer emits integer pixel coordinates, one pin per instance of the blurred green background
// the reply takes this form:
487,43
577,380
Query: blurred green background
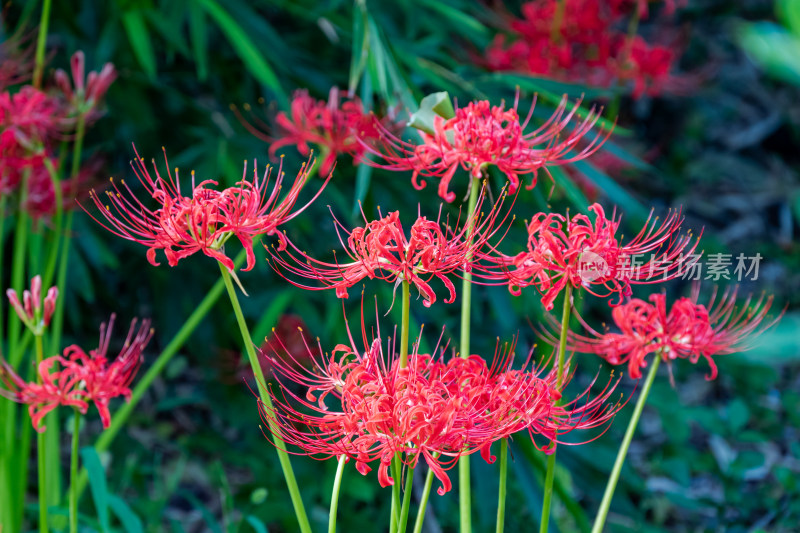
708,456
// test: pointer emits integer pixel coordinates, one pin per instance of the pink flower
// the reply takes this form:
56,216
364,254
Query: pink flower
586,254
31,312
104,378
481,134
432,409
181,226
333,127
688,330
59,386
84,94
381,250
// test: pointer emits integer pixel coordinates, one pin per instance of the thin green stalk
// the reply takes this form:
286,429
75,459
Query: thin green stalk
18,272
404,326
120,417
283,456
52,256
401,527
465,494
501,491
41,452
4,476
394,519
423,502
73,473
41,41
551,459
337,484
605,505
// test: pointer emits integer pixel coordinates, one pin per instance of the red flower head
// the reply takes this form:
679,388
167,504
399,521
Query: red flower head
31,312
16,59
202,222
59,385
688,330
481,134
331,126
104,378
578,252
432,409
381,250
84,94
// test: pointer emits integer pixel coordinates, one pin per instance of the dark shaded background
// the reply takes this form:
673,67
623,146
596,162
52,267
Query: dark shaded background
709,456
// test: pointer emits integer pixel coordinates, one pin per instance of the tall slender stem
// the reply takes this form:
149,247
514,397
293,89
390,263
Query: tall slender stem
41,41
551,459
423,501
501,491
40,449
401,527
73,473
261,384
396,521
605,505
465,494
404,325
337,484
120,417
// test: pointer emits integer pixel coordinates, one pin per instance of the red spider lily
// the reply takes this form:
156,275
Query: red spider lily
481,134
84,93
182,225
31,312
103,378
80,378
60,385
585,48
16,59
432,409
688,330
575,251
334,127
382,250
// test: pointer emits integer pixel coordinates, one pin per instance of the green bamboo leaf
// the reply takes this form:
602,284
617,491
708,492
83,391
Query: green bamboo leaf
245,49
97,484
360,49
256,524
271,315
458,19
573,192
198,34
139,37
126,516
363,179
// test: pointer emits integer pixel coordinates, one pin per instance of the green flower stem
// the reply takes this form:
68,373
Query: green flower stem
394,519
602,513
465,494
41,41
120,417
551,459
40,449
18,273
73,472
397,522
337,484
52,256
501,491
423,502
401,528
404,326
261,384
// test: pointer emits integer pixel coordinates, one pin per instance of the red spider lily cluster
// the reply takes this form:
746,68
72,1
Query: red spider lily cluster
588,46
687,330
381,250
575,251
204,220
77,378
340,125
33,122
481,134
368,408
